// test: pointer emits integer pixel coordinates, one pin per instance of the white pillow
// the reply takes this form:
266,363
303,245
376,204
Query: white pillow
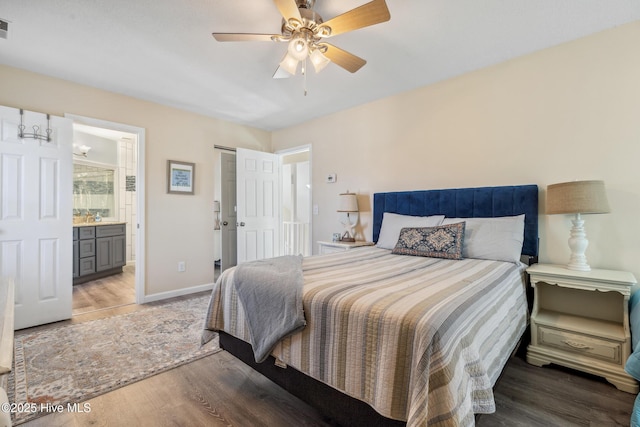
393,223
499,238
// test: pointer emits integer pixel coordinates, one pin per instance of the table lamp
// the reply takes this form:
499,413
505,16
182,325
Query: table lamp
349,205
577,197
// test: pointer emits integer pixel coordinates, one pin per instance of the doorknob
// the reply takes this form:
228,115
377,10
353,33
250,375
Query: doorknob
225,223
240,224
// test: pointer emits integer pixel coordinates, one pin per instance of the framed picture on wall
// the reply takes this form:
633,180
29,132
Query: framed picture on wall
180,177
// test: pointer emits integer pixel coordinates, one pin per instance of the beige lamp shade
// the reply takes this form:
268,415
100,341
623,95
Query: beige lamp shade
577,197
348,202
583,197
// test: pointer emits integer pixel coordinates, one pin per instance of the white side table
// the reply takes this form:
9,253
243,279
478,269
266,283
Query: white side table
326,247
580,319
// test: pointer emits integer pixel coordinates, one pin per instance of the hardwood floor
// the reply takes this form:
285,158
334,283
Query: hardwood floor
219,390
529,396
111,291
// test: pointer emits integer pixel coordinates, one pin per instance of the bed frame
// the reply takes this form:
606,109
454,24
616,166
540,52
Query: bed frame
482,202
338,408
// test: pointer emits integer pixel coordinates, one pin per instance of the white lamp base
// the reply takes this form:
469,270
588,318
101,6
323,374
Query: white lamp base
578,243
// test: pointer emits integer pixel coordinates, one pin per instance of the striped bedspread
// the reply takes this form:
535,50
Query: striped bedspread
419,339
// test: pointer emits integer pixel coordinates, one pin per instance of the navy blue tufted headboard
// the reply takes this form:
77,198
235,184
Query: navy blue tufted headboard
465,203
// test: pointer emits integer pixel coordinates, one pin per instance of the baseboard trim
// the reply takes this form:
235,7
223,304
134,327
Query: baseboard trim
177,293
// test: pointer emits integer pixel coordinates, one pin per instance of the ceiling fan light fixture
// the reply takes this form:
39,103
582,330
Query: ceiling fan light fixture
324,31
304,30
318,60
298,48
289,64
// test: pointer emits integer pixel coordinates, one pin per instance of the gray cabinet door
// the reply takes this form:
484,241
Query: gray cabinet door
110,230
87,266
98,249
76,259
86,233
104,253
86,248
119,248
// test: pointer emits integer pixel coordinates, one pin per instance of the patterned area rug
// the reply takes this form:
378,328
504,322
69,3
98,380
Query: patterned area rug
72,363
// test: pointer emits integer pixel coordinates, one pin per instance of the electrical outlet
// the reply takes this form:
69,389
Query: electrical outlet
182,266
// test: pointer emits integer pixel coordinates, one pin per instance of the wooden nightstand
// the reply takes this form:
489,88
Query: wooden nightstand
331,247
580,319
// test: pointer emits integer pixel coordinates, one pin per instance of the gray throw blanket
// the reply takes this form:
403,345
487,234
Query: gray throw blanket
270,291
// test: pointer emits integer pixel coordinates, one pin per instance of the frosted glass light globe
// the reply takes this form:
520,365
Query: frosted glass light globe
298,48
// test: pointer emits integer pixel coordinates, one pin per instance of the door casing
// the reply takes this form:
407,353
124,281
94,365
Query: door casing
140,194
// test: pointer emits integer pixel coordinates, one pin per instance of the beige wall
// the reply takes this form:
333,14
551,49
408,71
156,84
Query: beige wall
178,227
565,113
569,112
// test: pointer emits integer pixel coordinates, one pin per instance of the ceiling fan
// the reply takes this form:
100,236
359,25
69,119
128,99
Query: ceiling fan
305,31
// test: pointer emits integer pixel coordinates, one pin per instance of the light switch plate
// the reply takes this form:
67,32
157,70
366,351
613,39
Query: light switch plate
331,178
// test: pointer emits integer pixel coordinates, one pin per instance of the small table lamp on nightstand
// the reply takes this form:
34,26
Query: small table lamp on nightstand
349,205
577,197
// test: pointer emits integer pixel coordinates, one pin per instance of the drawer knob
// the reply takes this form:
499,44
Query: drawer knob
577,345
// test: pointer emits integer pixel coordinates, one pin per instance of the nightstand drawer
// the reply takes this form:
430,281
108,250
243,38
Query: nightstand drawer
580,320
331,249
609,351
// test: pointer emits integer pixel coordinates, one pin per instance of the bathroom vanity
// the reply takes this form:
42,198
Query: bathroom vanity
99,250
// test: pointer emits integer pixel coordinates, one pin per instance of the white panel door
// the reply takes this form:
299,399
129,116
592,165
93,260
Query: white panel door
228,217
36,216
258,183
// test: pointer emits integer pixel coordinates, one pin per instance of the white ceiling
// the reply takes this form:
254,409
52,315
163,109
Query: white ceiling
162,50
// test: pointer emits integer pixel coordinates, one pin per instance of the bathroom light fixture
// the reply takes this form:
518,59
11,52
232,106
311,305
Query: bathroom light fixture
81,150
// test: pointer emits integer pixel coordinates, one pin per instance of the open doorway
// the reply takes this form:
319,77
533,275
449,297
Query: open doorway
295,204
296,201
108,212
225,232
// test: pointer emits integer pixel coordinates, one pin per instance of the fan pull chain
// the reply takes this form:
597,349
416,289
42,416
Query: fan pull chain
304,73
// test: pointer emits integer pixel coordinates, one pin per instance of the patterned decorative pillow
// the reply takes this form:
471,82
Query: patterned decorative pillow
443,241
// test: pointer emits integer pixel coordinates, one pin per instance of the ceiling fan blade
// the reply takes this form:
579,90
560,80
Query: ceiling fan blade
288,9
368,14
346,60
242,37
281,74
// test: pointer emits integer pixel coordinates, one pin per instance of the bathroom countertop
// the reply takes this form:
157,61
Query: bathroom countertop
98,224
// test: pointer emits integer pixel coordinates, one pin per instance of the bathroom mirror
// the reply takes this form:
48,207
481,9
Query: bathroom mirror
94,192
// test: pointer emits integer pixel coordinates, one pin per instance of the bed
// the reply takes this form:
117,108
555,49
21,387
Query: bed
397,339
